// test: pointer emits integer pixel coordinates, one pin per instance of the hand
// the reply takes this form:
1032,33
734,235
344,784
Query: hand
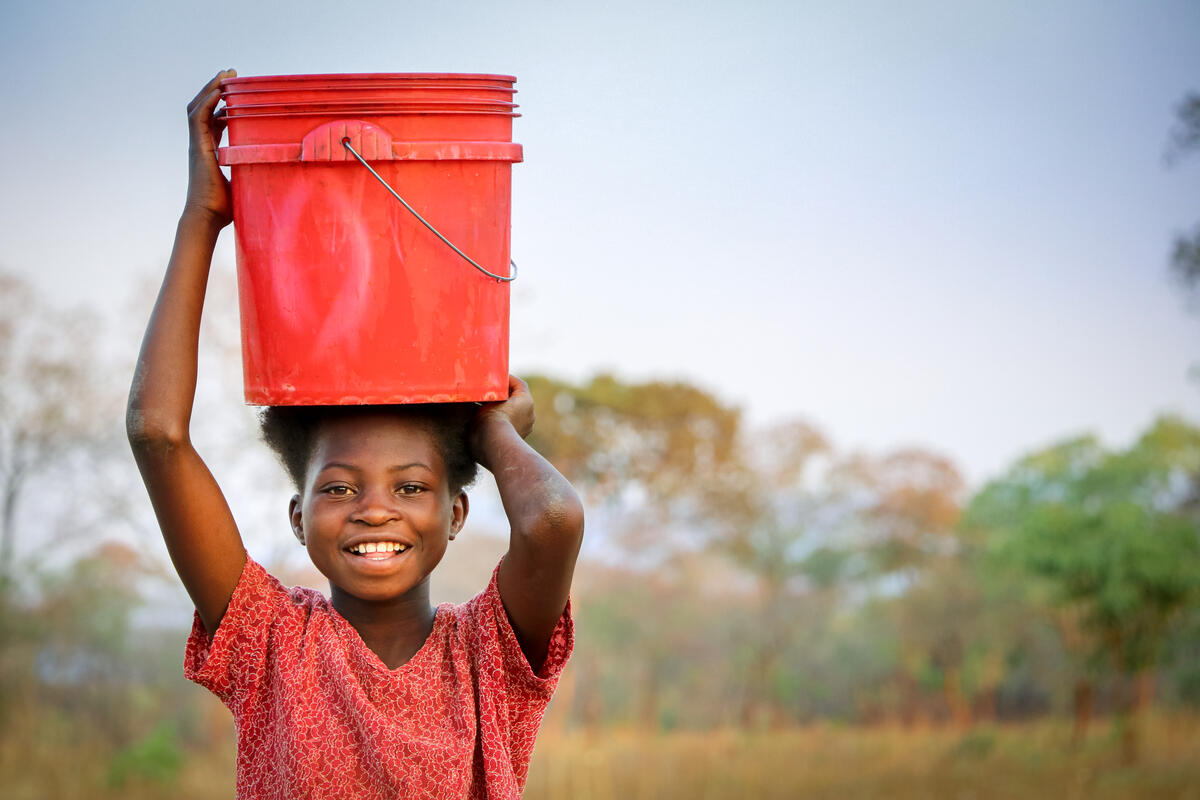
516,411
208,189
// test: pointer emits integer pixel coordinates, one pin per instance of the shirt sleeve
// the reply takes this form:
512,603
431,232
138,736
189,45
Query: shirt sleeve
234,661
511,698
489,611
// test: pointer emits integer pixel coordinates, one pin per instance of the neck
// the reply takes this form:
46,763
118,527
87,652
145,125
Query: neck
394,629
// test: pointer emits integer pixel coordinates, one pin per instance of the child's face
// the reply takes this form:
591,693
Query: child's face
376,482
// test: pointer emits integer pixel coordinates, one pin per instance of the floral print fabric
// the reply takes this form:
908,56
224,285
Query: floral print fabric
319,715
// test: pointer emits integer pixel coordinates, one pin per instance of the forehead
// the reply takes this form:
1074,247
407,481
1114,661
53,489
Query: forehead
375,437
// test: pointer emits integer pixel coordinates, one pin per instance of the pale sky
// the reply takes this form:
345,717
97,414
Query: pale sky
933,223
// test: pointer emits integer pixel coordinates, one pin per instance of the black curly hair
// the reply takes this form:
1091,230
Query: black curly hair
290,431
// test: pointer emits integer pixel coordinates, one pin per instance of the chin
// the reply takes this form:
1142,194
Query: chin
375,591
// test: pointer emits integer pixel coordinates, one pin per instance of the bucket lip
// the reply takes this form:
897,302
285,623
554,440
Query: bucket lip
368,76
350,105
374,112
447,88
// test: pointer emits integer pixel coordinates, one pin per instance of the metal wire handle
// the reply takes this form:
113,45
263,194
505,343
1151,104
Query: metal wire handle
433,230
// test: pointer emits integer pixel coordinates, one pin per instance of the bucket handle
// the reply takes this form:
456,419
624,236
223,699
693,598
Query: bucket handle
346,144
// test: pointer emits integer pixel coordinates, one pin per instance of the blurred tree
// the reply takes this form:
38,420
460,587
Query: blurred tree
910,501
1113,536
639,454
52,404
85,642
657,647
1185,139
155,759
638,450
773,514
66,641
607,435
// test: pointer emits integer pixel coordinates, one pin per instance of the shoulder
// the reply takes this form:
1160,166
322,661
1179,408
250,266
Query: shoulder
263,616
479,614
483,628
260,591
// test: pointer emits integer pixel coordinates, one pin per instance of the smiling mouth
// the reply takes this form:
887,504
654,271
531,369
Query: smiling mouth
377,551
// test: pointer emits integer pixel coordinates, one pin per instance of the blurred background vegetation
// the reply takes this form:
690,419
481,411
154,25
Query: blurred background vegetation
760,612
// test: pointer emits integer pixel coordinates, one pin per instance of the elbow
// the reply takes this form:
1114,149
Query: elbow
148,432
560,521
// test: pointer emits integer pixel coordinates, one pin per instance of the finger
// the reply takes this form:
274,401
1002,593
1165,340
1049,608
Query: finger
214,83
217,129
204,108
517,386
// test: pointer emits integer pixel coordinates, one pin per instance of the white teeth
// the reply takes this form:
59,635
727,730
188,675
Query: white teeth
378,547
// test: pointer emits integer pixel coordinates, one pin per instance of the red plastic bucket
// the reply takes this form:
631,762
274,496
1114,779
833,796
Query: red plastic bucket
345,296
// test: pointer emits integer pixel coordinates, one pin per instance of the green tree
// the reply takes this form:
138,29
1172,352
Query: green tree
1112,536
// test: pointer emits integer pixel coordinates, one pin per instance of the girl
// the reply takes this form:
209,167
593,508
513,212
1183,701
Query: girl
371,693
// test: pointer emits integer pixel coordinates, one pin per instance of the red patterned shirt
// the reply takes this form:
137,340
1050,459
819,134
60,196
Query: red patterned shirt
319,715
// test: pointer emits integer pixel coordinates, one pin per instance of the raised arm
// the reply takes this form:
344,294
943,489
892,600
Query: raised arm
545,519
195,519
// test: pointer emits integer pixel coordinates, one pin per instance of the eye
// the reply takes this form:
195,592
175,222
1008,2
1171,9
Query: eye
410,488
336,490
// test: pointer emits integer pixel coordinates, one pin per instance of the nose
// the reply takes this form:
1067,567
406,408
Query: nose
375,507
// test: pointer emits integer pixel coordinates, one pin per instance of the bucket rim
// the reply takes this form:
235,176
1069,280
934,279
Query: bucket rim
375,112
350,105
235,91
369,76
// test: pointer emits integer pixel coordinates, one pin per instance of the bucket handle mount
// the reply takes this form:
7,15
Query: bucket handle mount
346,144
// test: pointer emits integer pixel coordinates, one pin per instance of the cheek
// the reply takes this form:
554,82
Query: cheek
318,518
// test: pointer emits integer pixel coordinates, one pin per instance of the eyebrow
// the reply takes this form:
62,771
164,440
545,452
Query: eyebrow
401,467
338,465
395,468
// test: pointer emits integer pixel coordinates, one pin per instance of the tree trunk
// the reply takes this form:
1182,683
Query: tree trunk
910,711
559,712
589,702
1130,737
647,712
1137,695
1145,686
1128,718
985,704
1082,702
8,524
757,704
1129,721
760,704
956,700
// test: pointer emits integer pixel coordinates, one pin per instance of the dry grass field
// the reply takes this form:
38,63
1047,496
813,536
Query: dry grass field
820,761
823,761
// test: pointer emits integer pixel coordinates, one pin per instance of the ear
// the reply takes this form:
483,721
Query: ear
296,517
458,514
